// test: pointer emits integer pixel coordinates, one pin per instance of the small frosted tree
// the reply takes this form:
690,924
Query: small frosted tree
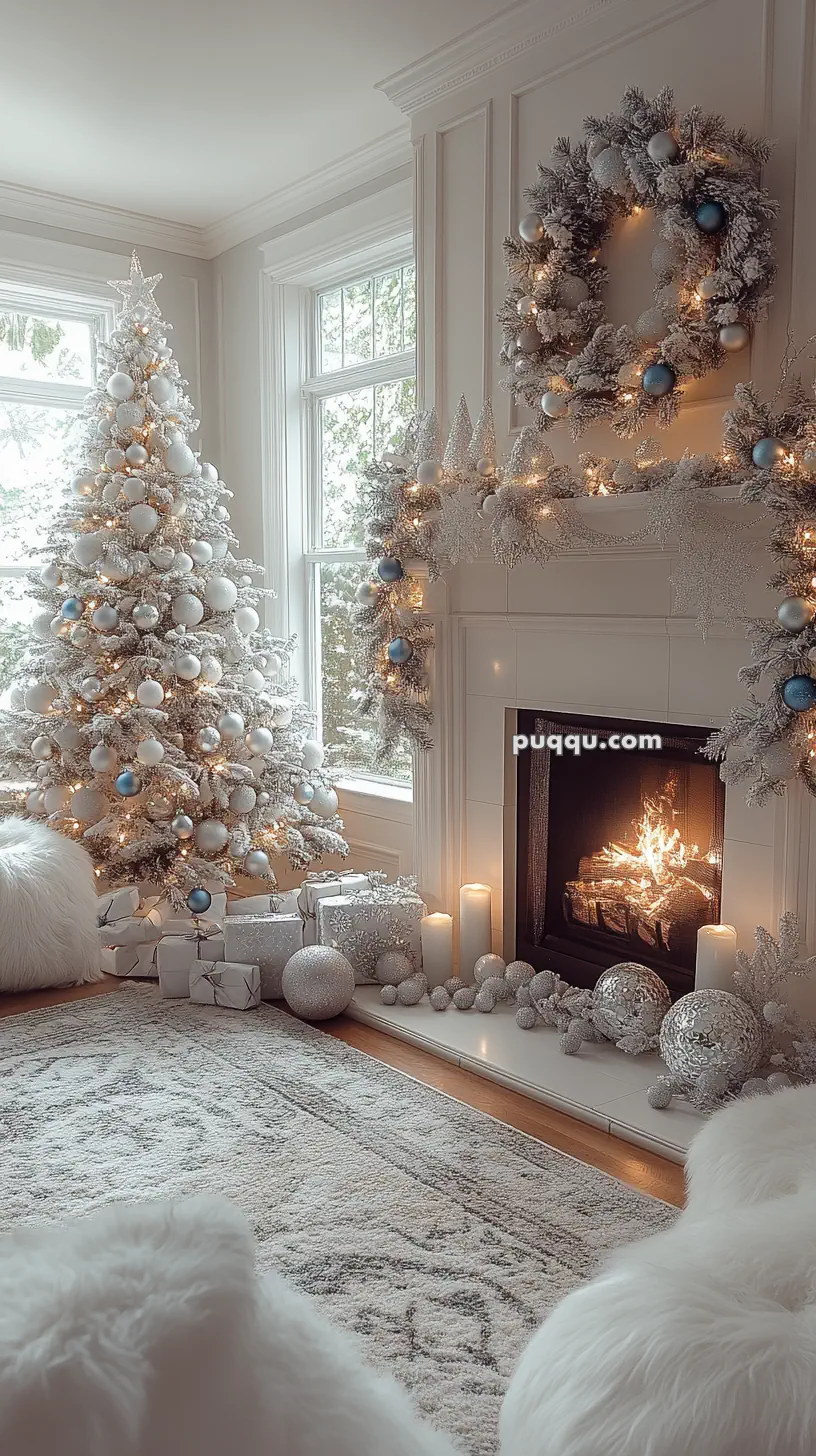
153,716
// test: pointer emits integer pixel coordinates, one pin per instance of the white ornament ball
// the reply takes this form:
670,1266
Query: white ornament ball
88,548
734,337
221,593
709,286
17,698
136,454
133,490
201,552
663,147
143,519
150,752
41,625
303,794
88,805
131,417
211,669
91,689
271,664
103,758
209,472
231,725
83,484
180,459
324,802
35,802
242,799
487,966
652,326
313,753
145,616
120,386
256,863
149,693
211,835
187,609
259,740
50,574
318,982
39,697
42,747
58,627
187,666
572,290
57,799
609,169
252,680
429,472
183,561
554,405
162,389
105,618
247,620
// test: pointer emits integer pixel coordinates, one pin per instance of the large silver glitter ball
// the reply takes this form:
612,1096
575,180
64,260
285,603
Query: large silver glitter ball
711,1031
629,997
318,982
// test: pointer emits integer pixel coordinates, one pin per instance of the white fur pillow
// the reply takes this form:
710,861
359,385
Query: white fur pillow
48,909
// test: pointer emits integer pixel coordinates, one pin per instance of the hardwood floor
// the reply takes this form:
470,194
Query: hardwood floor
640,1169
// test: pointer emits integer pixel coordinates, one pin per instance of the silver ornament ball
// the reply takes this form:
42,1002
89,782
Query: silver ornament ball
531,228
182,826
623,994
712,1031
318,982
794,613
256,863
392,968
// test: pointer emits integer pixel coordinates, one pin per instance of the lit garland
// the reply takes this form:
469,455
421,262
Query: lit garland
713,265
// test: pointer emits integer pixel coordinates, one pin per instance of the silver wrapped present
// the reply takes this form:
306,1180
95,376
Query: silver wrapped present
225,983
279,902
320,886
266,941
132,960
364,925
180,952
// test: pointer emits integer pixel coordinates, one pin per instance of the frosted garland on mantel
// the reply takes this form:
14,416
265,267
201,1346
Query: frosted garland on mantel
161,724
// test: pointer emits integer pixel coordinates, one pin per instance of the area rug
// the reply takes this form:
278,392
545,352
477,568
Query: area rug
437,1234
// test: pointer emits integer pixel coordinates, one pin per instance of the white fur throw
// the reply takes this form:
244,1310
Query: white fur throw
700,1341
144,1332
48,910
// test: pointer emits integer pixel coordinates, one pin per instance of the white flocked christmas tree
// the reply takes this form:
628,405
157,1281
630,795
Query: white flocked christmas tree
154,717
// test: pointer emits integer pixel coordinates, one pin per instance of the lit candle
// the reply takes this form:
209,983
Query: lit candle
475,931
436,934
716,958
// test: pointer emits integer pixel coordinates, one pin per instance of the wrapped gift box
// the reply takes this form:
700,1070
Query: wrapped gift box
175,984
189,924
279,902
173,920
225,983
362,926
266,941
117,905
132,960
132,930
180,952
324,886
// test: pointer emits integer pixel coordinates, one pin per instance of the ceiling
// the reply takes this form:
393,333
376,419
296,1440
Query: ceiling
189,110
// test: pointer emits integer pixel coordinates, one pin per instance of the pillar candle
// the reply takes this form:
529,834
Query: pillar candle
716,958
436,934
475,931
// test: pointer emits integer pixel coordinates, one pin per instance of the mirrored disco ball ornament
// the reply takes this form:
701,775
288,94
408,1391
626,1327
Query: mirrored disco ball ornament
629,997
199,901
182,826
145,616
318,982
712,1031
208,739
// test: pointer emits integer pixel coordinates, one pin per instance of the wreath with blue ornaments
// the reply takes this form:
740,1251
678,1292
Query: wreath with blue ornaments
713,265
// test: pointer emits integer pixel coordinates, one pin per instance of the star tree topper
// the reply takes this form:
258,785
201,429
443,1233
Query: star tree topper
137,291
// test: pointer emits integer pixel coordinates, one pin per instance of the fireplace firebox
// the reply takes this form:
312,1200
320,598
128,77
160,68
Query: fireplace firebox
618,845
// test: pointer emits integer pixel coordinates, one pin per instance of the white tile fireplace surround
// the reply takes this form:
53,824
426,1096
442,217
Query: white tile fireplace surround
587,634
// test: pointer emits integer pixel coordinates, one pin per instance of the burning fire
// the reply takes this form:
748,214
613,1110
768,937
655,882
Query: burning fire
659,855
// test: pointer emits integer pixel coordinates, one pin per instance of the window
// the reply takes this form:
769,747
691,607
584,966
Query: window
359,396
47,365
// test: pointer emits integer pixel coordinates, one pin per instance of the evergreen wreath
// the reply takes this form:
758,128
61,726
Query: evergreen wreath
713,264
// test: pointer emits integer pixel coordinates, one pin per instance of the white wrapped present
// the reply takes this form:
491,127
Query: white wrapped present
116,905
188,924
173,920
362,926
132,960
225,983
180,952
279,902
266,941
321,886
132,930
175,984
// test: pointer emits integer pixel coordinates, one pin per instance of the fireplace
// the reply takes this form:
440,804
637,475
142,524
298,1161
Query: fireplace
618,845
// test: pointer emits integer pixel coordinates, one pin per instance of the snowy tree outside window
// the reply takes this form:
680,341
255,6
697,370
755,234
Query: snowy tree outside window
360,398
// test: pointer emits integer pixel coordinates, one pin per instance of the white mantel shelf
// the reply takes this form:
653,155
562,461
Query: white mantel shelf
599,1085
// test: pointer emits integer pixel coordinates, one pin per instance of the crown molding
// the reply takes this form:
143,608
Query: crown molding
52,209
376,159
482,49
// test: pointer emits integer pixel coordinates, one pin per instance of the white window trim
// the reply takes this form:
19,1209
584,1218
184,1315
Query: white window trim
367,237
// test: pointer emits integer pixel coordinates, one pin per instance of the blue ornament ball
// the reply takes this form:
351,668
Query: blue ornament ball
767,452
389,569
799,692
659,379
127,784
710,216
199,902
400,650
72,609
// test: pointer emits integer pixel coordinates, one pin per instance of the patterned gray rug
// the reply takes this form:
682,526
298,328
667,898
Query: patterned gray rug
438,1234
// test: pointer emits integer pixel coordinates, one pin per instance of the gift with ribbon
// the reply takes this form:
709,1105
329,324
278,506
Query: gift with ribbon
225,983
266,941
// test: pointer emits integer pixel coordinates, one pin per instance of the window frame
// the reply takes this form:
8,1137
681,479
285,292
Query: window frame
368,239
